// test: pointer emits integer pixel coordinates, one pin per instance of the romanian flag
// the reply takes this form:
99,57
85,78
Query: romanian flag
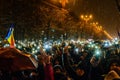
10,37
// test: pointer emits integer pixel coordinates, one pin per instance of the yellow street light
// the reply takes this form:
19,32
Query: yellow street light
86,17
94,23
85,27
63,2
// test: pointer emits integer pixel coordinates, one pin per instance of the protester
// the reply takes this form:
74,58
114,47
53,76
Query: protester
71,61
114,71
77,73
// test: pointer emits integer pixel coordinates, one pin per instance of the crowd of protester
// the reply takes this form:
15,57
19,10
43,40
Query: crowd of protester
72,61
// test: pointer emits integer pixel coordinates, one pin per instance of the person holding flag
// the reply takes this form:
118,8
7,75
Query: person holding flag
10,37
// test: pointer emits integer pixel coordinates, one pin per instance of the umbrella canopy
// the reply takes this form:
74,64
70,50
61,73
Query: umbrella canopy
12,59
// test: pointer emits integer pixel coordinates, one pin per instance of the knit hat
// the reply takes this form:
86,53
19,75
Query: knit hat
57,67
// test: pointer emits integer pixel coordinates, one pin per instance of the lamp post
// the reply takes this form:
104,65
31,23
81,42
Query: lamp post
85,18
94,28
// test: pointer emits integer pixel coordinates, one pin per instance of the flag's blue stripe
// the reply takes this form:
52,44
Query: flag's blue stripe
9,32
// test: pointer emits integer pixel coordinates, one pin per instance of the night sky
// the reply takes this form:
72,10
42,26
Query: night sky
105,12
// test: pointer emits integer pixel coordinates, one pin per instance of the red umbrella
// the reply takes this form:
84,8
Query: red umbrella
12,59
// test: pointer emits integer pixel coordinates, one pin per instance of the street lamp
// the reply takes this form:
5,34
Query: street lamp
63,2
94,23
85,18
94,28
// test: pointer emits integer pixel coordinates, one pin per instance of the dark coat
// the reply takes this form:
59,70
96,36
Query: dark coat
71,71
